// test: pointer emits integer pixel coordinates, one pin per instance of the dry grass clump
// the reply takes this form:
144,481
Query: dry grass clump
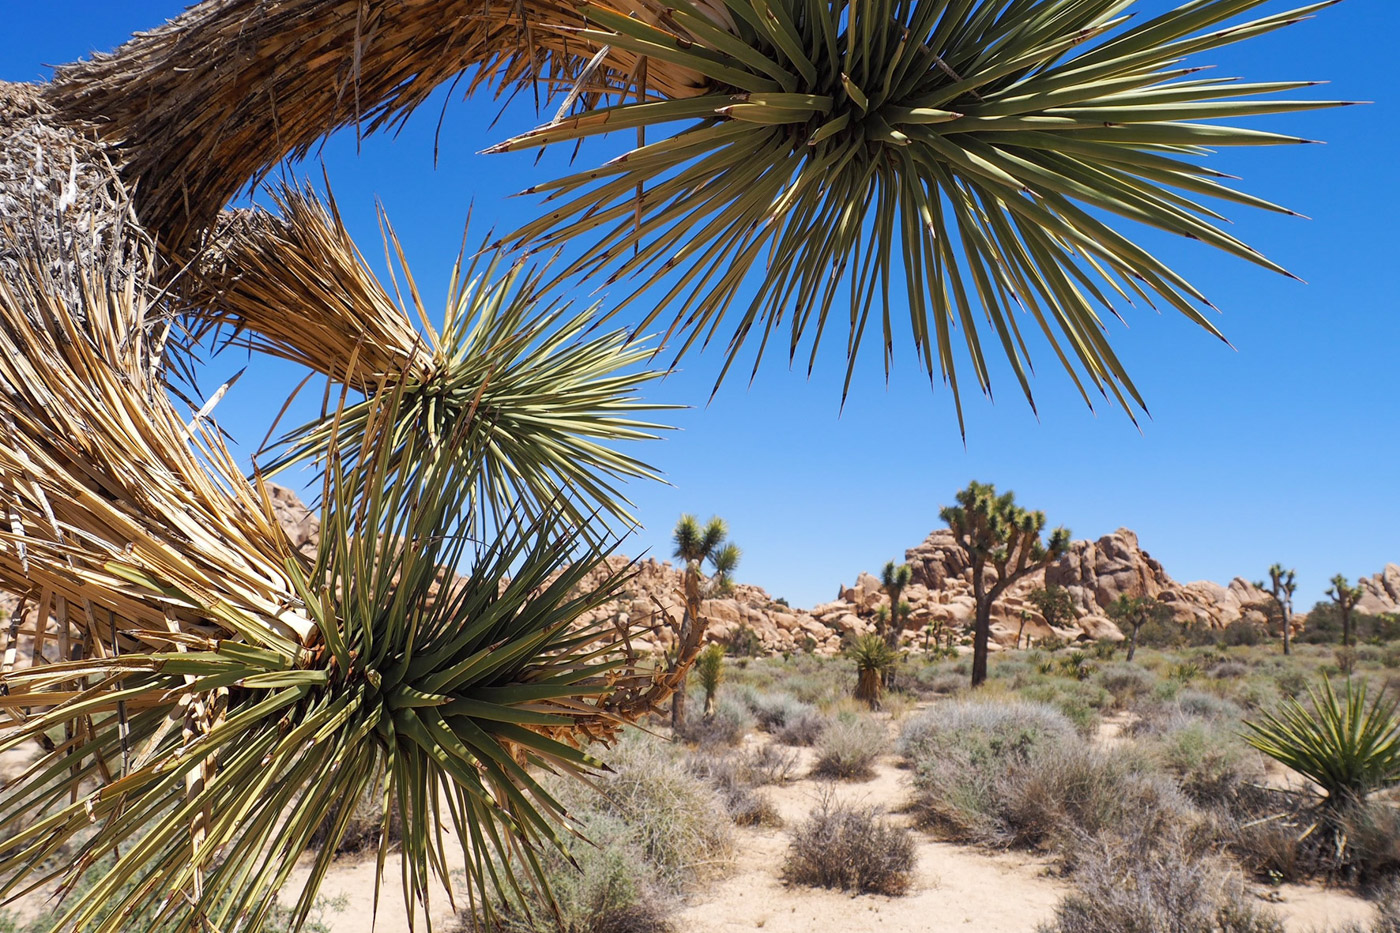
1018,774
802,731
1127,682
1156,889
728,725
850,848
652,838
774,712
1211,764
848,748
986,730
737,778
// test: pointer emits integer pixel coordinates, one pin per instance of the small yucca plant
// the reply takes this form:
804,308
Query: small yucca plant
873,657
1346,747
709,667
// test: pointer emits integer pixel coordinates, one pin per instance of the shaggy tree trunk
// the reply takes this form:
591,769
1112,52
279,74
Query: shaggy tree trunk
1132,642
1287,631
868,687
980,638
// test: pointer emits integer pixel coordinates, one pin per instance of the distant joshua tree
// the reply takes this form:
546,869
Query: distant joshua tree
709,667
1280,589
894,578
1136,611
697,545
1346,597
997,536
874,659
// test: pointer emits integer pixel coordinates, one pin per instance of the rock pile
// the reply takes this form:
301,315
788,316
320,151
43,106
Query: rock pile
1095,573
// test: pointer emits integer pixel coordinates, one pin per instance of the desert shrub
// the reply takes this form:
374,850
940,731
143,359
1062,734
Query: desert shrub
665,810
1291,682
839,846
1209,763
1081,702
1157,889
1069,792
771,764
1127,682
1346,659
1268,848
985,730
804,730
745,643
1161,633
1391,657
944,682
1241,634
728,725
652,836
1372,833
820,687
1208,706
737,777
773,711
1229,670
1018,774
848,747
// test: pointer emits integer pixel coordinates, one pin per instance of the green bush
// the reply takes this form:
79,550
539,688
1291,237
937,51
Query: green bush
852,849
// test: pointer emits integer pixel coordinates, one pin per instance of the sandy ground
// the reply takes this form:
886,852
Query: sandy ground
955,887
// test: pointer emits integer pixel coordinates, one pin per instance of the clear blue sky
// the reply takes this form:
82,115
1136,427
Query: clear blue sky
1286,448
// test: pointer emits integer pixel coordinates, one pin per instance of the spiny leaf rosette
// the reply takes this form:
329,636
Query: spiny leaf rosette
971,146
546,397
233,753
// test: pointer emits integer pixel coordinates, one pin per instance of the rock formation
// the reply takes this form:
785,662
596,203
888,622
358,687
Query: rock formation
1094,572
1381,593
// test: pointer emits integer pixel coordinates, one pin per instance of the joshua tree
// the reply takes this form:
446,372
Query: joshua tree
874,659
709,667
697,545
1280,589
1133,612
252,683
1345,596
894,578
1001,542
1055,603
882,621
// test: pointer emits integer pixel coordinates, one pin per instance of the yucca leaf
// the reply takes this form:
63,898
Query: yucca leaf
1048,109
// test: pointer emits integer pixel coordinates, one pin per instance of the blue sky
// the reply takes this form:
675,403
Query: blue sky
1285,448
